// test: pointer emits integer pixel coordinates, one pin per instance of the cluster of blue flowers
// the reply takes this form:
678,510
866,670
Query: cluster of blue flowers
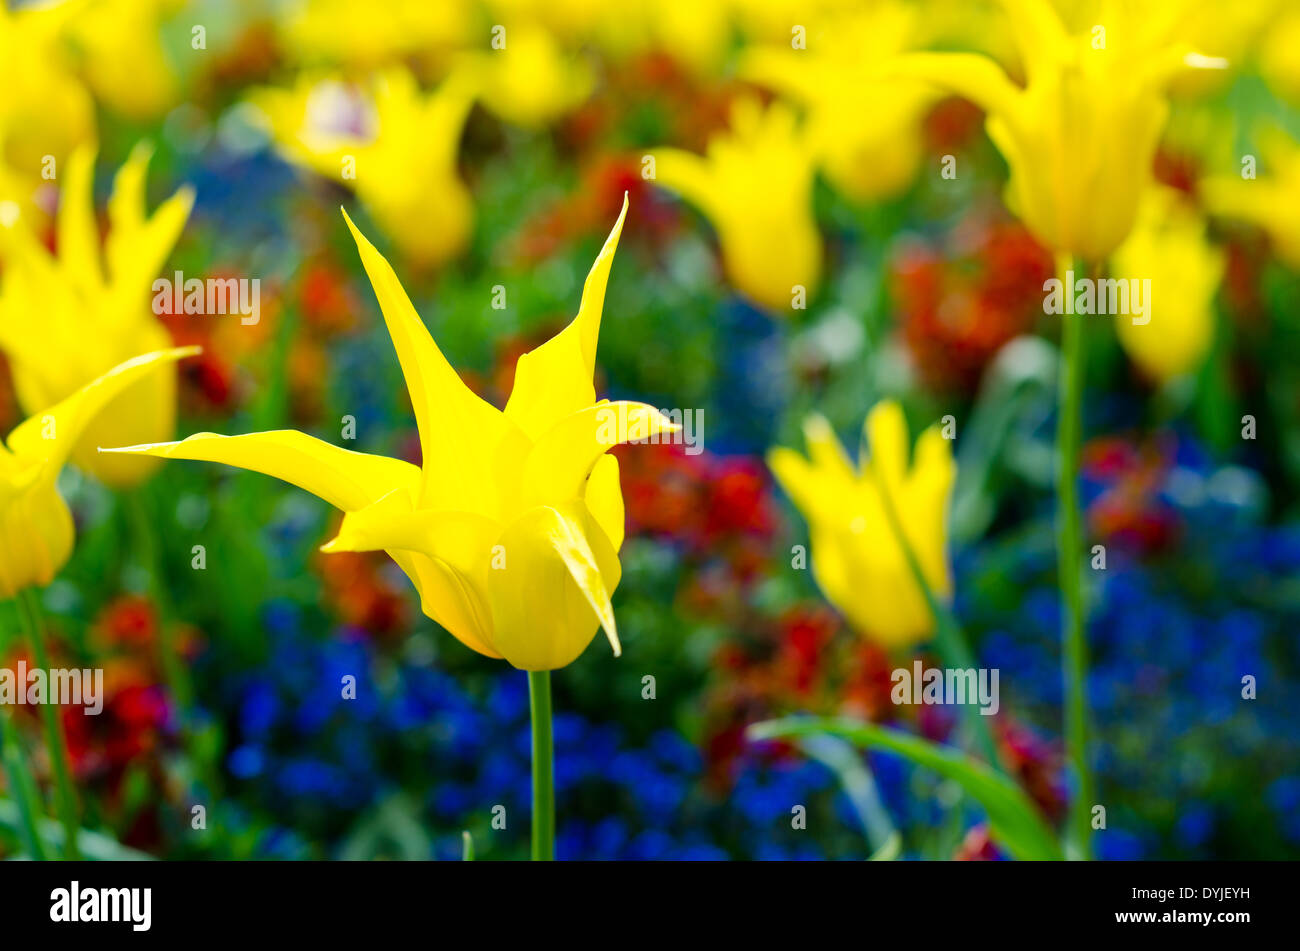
1185,755
313,763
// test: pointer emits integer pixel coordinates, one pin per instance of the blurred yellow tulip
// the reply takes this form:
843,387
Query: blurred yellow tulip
45,111
857,560
391,144
755,187
1278,62
510,531
123,57
36,530
529,81
65,320
1168,246
1268,201
1081,134
864,130
343,32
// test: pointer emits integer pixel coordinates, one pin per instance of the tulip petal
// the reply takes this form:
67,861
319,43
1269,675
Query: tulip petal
1040,34
446,554
886,434
346,480
605,499
561,461
689,175
799,479
825,450
78,234
553,590
50,436
136,247
555,379
972,75
459,431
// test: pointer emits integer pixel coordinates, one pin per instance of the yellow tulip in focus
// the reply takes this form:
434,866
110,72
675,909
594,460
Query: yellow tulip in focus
857,560
511,529
755,187
1168,246
392,144
36,531
1080,135
1269,200
65,320
875,155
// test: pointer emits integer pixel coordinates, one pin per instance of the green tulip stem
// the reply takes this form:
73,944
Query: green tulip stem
539,704
55,742
21,787
1070,561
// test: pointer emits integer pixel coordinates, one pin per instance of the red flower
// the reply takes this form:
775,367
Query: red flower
129,621
962,301
1129,511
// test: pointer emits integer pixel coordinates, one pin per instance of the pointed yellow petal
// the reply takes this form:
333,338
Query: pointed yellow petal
797,478
553,590
136,248
825,450
555,379
561,461
346,480
49,436
886,434
690,176
459,431
78,233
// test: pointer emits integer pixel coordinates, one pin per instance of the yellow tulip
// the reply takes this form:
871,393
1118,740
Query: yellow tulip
45,111
510,531
123,57
857,560
1168,246
392,144
36,531
1278,62
320,32
531,81
876,154
1081,134
755,187
65,320
1269,201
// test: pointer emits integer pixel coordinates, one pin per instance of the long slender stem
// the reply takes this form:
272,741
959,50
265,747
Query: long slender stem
21,786
55,741
539,703
1070,562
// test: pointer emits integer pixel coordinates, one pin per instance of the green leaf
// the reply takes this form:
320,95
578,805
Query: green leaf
1014,820
890,851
